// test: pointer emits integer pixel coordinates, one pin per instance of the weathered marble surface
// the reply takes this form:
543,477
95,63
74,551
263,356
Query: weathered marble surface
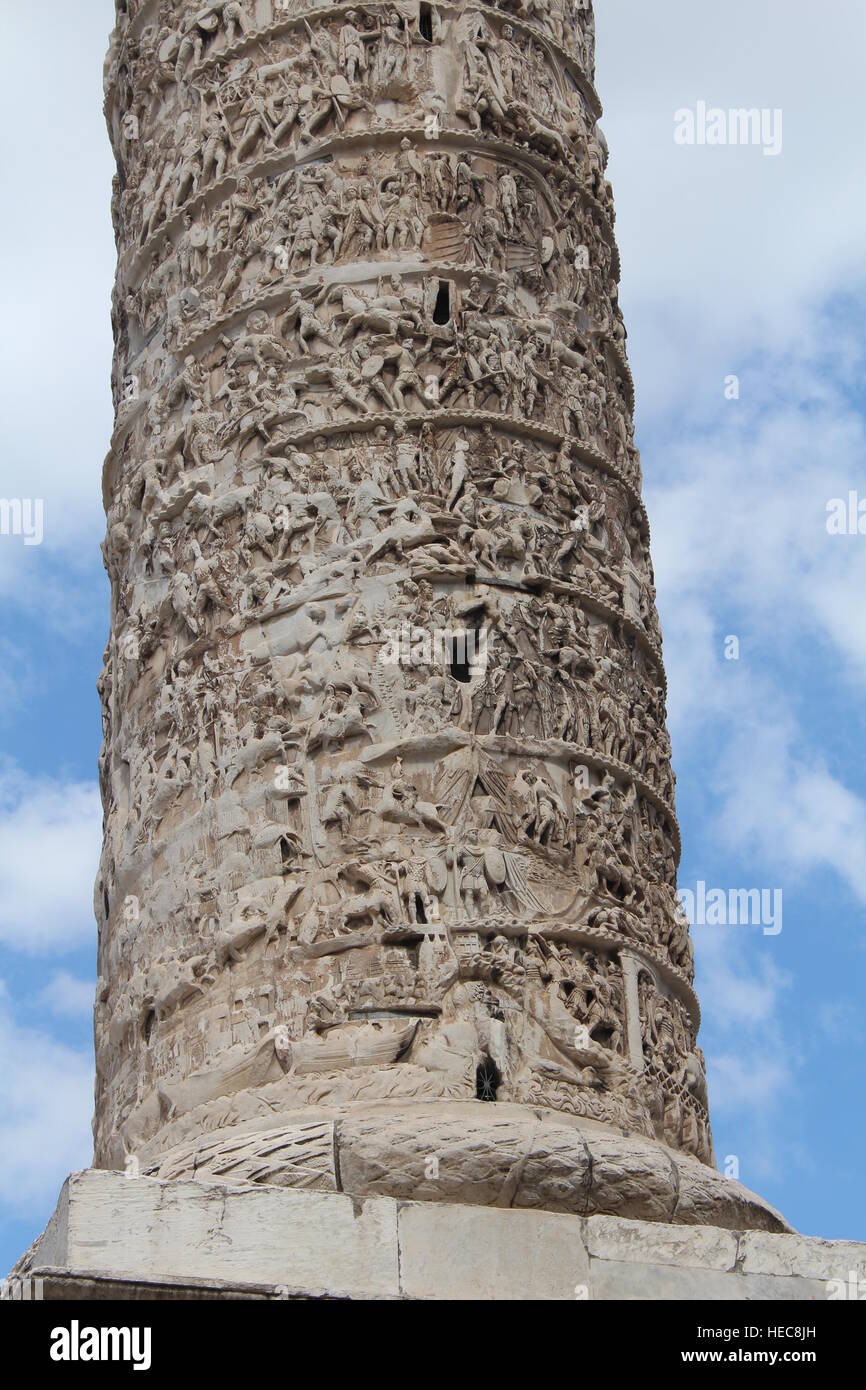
116,1237
466,1152
389,808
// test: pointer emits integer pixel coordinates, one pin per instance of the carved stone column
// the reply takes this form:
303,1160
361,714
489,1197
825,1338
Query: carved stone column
386,778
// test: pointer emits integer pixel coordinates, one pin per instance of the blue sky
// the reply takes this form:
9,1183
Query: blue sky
733,263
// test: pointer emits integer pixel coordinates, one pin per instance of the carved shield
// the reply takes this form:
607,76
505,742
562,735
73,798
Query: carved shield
372,367
437,876
168,49
495,867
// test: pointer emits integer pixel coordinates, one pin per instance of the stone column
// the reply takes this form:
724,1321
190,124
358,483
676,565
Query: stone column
386,778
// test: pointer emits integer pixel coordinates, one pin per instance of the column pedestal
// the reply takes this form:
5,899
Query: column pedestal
114,1237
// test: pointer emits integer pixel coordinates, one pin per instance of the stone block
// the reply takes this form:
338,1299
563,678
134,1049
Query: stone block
484,1253
638,1242
198,1230
806,1257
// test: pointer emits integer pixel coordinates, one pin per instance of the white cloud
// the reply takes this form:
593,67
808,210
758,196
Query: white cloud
68,997
50,837
46,1101
723,249
753,559
17,679
730,263
739,992
791,809
749,1079
56,247
739,518
735,263
752,1066
741,548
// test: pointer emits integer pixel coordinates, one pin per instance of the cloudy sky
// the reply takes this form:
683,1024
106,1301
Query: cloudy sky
735,264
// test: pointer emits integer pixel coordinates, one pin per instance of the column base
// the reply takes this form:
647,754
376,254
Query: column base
145,1238
501,1155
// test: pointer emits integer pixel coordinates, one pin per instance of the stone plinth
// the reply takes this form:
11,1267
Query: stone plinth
140,1238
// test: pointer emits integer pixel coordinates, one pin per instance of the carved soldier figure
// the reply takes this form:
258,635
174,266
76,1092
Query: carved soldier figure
352,47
